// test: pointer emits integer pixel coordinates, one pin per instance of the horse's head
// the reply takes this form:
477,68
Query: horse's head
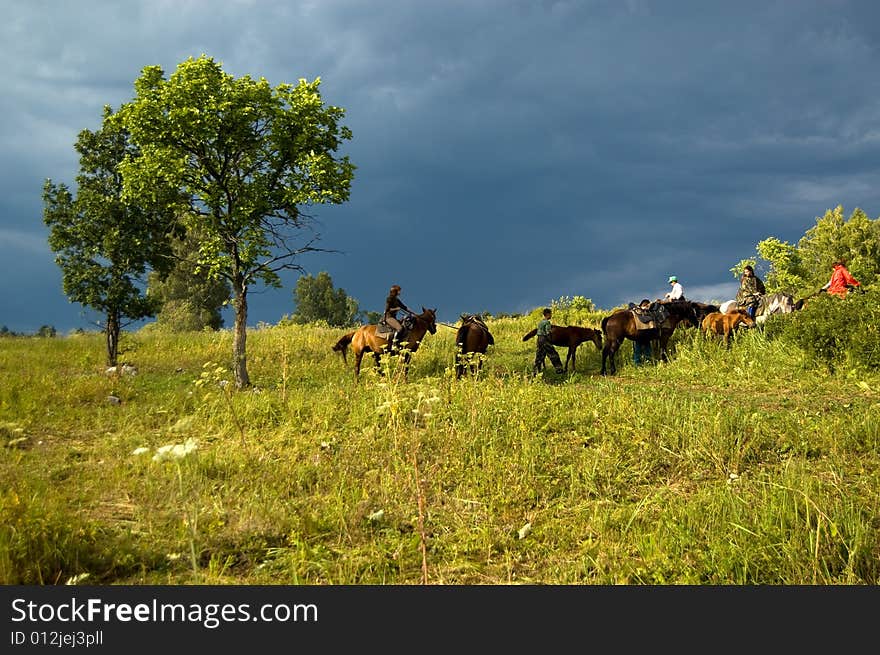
743,317
429,316
597,339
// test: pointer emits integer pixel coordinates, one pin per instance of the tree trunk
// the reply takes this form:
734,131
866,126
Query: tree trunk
239,336
111,332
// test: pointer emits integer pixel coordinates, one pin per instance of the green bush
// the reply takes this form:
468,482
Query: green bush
835,331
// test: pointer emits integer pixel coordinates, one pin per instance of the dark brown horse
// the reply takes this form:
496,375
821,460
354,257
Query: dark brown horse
364,340
570,336
472,340
623,324
702,310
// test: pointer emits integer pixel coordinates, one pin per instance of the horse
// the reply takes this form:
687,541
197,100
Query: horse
365,339
768,304
472,340
624,324
570,336
721,324
776,303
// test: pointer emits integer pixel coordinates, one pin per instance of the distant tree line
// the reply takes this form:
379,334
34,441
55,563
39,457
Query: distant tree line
45,331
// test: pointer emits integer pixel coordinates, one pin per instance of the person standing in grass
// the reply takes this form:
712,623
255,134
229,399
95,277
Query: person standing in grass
545,347
642,349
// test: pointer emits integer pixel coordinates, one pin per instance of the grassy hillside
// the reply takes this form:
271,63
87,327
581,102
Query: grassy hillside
747,466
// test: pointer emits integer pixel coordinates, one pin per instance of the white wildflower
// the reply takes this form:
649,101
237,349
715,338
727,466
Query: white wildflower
377,515
76,579
140,451
175,451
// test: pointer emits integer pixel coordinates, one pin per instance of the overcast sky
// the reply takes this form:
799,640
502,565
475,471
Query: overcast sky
508,152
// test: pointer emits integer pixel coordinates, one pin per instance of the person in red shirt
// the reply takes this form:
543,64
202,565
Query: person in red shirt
841,280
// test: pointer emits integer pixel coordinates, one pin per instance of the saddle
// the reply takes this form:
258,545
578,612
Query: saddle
651,317
473,318
385,331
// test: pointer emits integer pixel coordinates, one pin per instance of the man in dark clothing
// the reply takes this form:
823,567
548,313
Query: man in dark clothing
544,347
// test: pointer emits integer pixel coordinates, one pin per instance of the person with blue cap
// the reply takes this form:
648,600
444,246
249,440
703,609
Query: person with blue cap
676,292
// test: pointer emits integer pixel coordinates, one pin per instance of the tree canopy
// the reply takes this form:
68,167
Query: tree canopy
243,160
804,267
106,243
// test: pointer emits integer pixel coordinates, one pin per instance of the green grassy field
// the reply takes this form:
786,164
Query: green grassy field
747,466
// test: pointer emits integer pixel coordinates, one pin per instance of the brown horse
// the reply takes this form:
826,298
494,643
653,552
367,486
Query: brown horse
364,340
623,324
721,324
472,340
570,336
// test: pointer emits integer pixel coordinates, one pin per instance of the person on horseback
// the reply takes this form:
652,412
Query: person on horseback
676,292
842,281
751,288
394,304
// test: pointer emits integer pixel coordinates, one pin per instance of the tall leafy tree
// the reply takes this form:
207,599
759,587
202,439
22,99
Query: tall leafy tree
189,299
106,244
245,158
806,266
856,239
317,300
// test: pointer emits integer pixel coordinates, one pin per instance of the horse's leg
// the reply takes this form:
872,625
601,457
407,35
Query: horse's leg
608,352
358,356
664,343
570,358
405,355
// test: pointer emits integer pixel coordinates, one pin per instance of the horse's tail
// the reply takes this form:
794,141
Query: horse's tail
530,334
490,337
341,346
604,323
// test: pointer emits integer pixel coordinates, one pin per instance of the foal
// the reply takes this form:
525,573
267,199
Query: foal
718,323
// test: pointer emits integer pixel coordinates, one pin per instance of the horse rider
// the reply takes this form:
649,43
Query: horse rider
751,288
676,292
842,281
394,304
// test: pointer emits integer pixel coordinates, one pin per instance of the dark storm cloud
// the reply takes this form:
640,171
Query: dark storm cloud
508,153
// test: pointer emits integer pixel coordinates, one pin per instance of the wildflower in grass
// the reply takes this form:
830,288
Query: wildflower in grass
140,451
175,451
377,515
